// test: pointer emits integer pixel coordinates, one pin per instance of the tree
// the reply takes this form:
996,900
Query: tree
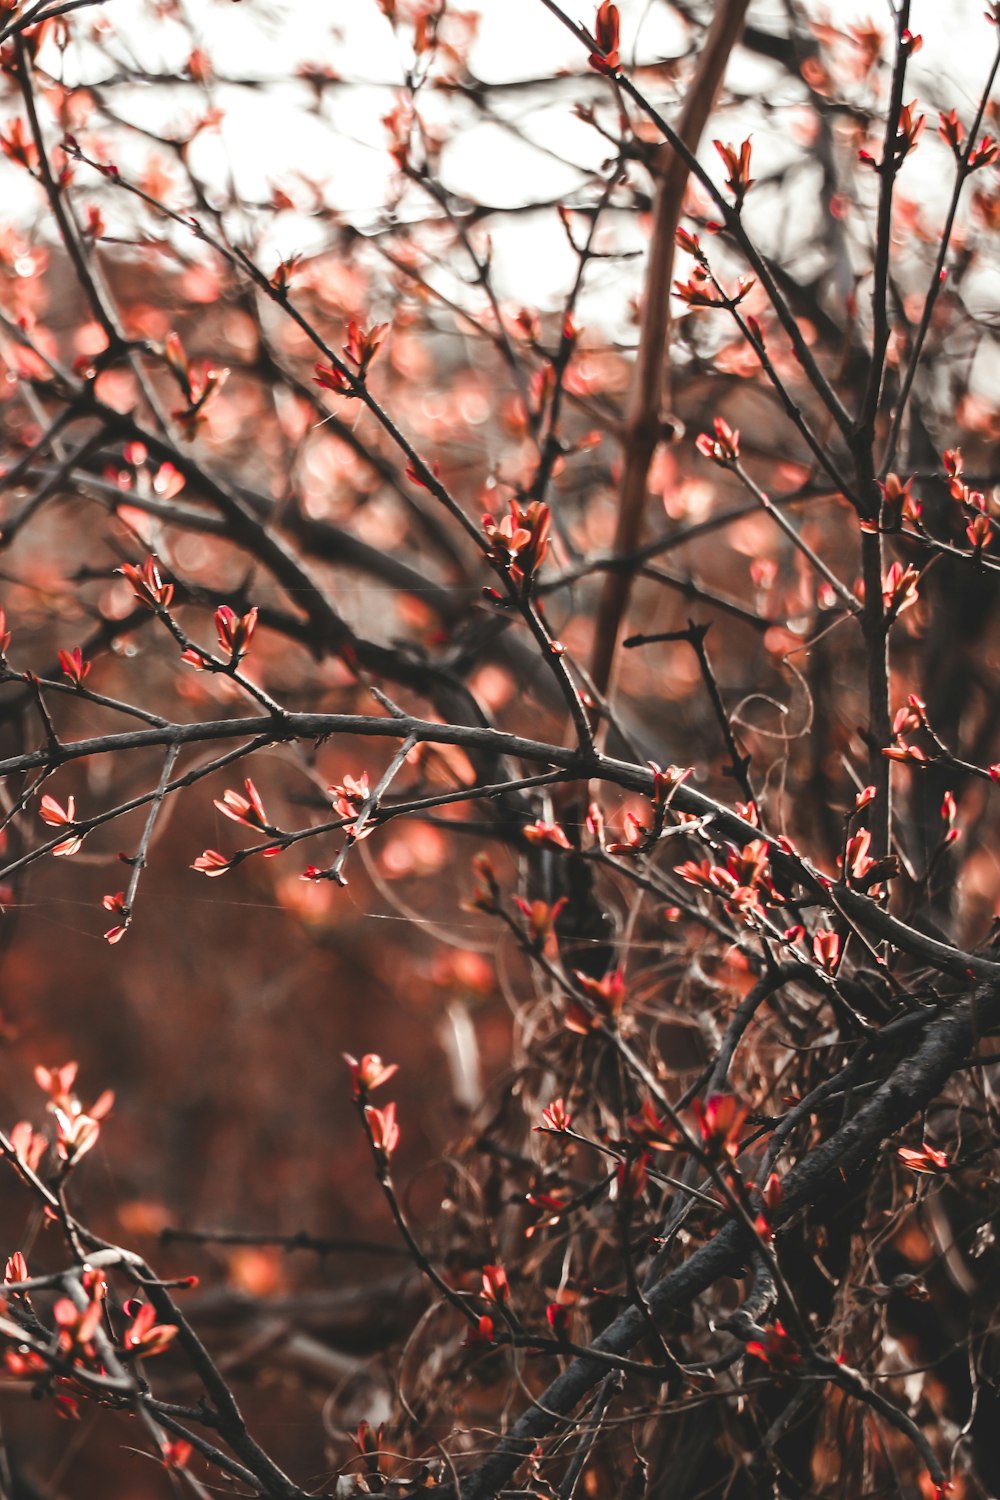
631,643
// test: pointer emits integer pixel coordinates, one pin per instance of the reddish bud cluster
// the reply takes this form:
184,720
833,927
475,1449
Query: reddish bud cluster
199,383
927,1159
857,861
777,1349
907,721
605,56
899,589
653,1132
74,665
549,834
116,905
248,810
606,997
76,1129
555,1116
744,879
147,585
736,161
720,1120
17,144
360,350
383,1129
363,344
541,918
369,1073
350,794
211,863
52,812
235,632
898,502
702,290
724,447
826,949
144,1337
908,130
520,540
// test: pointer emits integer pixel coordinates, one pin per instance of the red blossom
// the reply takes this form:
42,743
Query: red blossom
486,896
281,280
78,1326
605,56
685,240
541,917
551,834
363,345
350,794
653,1132
926,1159
175,1454
519,541
724,448
826,949
980,532
383,1128
857,860
17,144
199,383
52,812
698,291
606,996
898,501
74,665
496,1287
744,879
116,904
211,863
332,379
248,810
369,1073
635,836
144,1336
555,1116
481,1332
76,1132
737,163
147,585
899,589
16,1268
777,1349
558,1315
24,1364
370,1443
720,1120
697,872
57,1082
235,631
553,1206
985,154
908,130
950,130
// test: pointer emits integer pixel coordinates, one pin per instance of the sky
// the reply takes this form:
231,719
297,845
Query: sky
266,140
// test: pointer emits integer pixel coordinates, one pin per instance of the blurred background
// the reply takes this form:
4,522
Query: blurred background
444,190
